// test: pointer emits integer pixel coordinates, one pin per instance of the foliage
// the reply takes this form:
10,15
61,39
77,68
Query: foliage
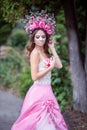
25,82
10,68
62,86
61,79
18,38
81,12
5,30
11,11
15,72
11,65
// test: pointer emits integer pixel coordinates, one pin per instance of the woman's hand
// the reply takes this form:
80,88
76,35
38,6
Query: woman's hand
51,43
50,62
58,63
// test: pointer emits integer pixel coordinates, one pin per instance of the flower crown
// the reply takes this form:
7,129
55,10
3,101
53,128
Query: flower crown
40,20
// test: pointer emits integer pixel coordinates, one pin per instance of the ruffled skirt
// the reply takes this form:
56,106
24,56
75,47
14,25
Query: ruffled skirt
40,111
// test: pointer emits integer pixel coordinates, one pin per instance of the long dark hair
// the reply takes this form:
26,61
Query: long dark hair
31,45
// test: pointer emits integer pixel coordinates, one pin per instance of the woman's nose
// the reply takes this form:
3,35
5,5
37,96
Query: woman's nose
40,38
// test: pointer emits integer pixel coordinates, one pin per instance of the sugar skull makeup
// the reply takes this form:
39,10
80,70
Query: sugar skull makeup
40,38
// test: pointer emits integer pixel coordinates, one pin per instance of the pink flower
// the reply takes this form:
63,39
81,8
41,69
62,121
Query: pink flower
49,31
37,25
31,27
40,20
47,27
42,24
47,61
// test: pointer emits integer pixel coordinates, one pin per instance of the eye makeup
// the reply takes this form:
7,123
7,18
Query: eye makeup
38,36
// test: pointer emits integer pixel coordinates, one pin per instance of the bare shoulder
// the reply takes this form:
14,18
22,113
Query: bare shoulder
34,56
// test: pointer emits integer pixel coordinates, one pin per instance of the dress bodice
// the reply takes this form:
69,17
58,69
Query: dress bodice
46,79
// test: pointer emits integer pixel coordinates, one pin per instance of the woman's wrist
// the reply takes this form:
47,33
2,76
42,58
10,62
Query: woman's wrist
53,51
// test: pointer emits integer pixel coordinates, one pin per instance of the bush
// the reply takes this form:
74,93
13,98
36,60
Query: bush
5,30
61,84
61,81
25,82
15,72
18,38
10,66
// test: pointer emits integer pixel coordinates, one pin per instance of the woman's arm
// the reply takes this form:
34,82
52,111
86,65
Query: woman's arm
34,62
58,63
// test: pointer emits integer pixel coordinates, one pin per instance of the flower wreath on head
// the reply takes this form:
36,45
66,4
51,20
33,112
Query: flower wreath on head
42,20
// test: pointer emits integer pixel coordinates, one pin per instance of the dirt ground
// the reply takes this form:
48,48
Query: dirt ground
75,120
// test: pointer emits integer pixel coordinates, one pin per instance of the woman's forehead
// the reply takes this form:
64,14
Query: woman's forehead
40,32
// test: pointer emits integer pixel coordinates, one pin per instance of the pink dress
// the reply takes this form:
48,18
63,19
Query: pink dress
40,109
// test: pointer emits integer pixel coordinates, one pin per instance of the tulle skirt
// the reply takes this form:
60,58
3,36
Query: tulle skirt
40,111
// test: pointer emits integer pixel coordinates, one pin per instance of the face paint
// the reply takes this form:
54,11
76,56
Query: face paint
40,38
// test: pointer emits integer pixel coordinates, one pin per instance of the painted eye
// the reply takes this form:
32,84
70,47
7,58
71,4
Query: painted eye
37,37
43,36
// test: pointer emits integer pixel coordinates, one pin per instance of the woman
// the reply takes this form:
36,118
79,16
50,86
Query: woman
40,109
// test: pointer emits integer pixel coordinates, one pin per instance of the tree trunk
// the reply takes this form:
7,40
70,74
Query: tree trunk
86,48
77,71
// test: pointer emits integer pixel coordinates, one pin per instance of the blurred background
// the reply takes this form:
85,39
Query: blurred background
15,76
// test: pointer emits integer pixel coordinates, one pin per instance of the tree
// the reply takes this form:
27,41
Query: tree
78,72
86,46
